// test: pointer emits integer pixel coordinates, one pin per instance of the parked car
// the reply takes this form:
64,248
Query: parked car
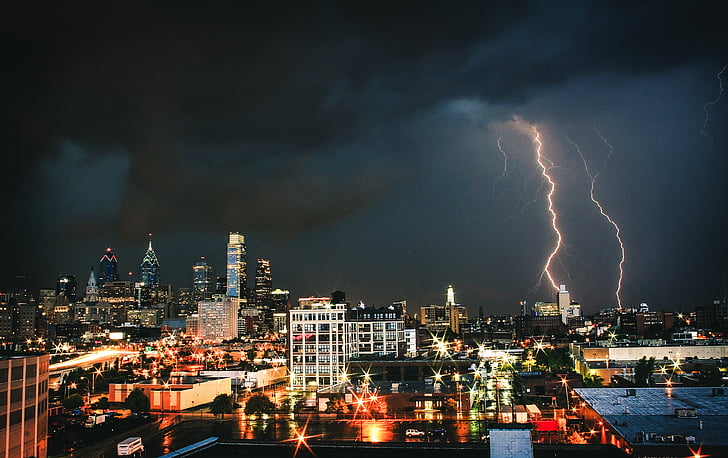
438,432
414,433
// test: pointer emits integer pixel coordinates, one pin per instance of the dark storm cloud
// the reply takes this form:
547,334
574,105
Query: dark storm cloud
284,117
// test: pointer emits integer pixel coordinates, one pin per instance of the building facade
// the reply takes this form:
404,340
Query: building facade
218,320
316,344
108,267
149,268
24,405
203,282
237,278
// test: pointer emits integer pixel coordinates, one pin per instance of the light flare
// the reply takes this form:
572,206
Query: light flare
703,130
617,231
550,199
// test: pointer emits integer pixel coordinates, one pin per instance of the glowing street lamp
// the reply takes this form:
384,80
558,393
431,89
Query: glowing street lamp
565,382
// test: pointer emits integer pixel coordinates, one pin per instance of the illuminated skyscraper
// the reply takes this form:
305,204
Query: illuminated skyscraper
203,282
263,286
92,289
107,268
149,269
563,299
66,286
237,279
452,308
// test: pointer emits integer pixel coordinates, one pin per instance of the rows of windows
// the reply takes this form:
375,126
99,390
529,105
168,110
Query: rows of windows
317,316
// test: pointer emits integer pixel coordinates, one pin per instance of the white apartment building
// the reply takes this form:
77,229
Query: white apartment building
324,337
378,332
316,344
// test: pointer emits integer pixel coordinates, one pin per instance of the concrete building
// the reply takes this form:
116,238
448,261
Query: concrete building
23,405
316,344
377,332
607,360
218,320
179,393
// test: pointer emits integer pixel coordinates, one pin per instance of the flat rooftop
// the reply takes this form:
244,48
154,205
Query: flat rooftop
653,410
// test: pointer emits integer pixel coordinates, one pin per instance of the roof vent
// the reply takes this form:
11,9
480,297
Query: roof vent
686,413
631,392
718,392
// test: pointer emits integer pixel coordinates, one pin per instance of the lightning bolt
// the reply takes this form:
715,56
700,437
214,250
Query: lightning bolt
703,130
550,199
505,164
617,231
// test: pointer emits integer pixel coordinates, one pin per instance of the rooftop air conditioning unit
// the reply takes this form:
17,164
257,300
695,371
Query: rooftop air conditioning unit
686,413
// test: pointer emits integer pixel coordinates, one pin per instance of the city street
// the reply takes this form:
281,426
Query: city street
173,431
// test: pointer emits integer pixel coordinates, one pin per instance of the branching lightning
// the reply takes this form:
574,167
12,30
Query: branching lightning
617,231
549,198
703,130
505,164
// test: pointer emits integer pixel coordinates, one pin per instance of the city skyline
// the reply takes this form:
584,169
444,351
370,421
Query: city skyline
384,151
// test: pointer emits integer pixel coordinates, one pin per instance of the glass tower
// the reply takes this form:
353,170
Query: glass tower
107,268
237,279
202,280
263,285
149,269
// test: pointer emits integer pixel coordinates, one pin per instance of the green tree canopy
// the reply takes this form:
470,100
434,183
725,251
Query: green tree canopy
711,376
643,371
137,401
222,404
337,404
593,381
102,403
450,406
73,402
259,403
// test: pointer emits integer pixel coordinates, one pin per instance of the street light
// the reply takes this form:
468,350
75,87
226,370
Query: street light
565,382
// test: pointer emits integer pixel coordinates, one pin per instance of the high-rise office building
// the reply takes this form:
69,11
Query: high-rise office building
280,299
220,285
453,310
237,278
218,320
563,299
203,283
263,286
24,405
66,287
108,267
149,268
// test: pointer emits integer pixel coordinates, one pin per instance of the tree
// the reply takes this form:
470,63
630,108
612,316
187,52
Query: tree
643,371
73,402
593,381
258,404
449,406
710,376
102,403
222,404
337,404
137,401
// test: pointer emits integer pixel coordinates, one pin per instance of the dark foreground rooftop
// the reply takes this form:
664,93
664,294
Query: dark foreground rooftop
227,448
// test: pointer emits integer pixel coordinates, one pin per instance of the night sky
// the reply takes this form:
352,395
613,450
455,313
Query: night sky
355,144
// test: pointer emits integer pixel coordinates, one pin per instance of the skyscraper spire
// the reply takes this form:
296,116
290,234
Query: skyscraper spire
92,289
149,269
